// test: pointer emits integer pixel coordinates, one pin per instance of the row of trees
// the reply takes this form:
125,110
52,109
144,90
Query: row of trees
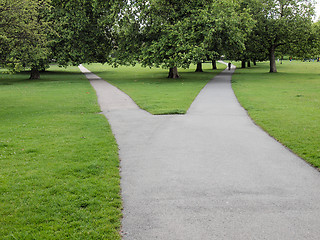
161,33
34,33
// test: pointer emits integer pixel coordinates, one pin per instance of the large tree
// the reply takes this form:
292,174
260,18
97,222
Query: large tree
35,32
163,23
23,35
280,24
83,30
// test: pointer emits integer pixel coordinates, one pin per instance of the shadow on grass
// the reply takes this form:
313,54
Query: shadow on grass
282,74
47,76
66,75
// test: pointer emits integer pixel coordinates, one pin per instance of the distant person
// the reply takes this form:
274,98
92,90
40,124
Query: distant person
229,65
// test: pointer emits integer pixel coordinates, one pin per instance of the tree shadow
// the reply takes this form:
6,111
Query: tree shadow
45,76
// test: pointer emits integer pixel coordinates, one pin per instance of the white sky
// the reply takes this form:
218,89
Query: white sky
317,9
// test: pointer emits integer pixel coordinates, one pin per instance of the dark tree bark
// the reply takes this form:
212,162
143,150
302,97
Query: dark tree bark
273,67
243,64
254,62
170,75
199,67
34,74
249,64
173,73
214,64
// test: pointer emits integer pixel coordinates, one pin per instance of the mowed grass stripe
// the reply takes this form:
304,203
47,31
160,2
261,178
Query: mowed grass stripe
59,175
152,90
285,104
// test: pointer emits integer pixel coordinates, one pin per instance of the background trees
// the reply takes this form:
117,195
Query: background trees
315,39
279,24
158,33
36,32
83,30
176,33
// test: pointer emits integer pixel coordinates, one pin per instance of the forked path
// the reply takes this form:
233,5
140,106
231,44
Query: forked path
209,174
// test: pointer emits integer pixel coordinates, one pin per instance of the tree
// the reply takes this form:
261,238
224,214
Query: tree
70,32
23,35
315,40
176,33
280,24
152,34
309,50
219,28
251,52
83,30
165,41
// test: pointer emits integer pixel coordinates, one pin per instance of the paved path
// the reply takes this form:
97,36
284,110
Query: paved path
210,174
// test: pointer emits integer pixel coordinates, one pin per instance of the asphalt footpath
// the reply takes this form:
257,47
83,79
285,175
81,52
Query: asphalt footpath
208,174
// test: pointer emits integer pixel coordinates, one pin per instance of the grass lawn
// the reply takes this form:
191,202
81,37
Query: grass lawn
59,175
286,104
152,90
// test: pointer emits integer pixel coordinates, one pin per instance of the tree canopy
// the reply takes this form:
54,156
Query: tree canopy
158,33
36,32
83,30
173,34
280,25
23,34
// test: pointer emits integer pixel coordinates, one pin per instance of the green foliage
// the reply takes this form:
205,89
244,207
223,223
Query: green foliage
33,33
84,30
280,25
152,91
177,33
59,175
23,34
313,49
286,104
215,29
154,33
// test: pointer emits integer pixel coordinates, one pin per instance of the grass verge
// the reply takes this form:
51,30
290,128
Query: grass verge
59,175
285,104
152,90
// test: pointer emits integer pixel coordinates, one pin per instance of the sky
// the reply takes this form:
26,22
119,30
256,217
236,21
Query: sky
317,9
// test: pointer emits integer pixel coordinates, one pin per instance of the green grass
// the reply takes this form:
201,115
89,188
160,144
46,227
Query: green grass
152,90
59,175
286,104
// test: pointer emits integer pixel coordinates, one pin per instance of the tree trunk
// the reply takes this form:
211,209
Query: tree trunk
273,67
199,67
173,73
249,64
254,62
214,64
243,64
34,74
170,75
